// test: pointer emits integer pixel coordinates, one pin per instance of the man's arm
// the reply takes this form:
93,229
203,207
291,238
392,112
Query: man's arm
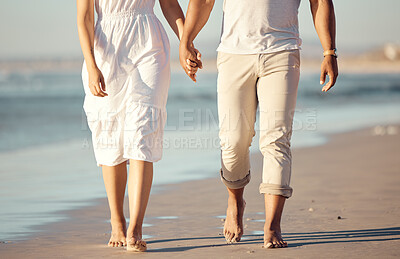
196,17
325,24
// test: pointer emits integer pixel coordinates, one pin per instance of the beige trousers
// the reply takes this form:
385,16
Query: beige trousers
269,81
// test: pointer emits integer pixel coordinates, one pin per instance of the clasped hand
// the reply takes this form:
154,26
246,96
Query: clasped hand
190,59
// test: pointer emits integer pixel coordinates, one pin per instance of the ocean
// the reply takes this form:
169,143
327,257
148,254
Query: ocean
47,163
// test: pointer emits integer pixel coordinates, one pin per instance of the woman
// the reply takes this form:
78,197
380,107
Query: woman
126,76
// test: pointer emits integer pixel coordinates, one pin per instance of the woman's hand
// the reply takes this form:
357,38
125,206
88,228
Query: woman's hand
96,82
85,22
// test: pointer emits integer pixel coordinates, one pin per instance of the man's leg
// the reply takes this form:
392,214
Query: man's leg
233,228
273,214
277,93
237,105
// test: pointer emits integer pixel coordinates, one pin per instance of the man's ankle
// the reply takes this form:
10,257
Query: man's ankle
272,224
236,194
236,201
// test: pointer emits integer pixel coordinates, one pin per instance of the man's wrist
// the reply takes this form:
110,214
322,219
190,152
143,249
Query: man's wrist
330,52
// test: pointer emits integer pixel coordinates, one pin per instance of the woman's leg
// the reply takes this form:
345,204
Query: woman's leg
139,186
115,183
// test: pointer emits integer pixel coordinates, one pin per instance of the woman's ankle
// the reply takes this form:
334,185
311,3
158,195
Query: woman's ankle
118,220
135,231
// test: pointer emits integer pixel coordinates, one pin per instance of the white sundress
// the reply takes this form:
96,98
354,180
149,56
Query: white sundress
131,49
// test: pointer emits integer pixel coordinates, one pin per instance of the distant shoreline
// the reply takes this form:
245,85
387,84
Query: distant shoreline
384,59
346,65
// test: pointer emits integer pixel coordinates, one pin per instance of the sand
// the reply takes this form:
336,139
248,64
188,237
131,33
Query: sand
346,204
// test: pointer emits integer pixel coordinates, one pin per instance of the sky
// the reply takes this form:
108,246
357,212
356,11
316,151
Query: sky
47,28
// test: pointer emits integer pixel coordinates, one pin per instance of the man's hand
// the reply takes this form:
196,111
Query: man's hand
329,67
190,59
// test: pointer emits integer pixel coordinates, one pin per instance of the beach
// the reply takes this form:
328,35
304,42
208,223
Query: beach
346,203
345,144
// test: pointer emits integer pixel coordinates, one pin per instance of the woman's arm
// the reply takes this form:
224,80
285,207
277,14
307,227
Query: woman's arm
173,14
85,23
325,24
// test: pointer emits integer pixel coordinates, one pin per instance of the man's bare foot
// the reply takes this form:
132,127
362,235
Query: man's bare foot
135,242
118,237
273,237
273,213
233,228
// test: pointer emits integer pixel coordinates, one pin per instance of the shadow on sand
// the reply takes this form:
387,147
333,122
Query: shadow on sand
294,239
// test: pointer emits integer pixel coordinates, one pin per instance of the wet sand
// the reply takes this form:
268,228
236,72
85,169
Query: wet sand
346,204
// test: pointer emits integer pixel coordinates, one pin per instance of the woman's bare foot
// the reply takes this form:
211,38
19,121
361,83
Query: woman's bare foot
233,228
273,237
135,242
118,238
136,246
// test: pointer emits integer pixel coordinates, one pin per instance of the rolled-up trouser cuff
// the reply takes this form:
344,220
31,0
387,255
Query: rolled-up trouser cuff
236,184
276,189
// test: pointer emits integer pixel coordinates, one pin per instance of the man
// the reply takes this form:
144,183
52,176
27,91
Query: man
258,65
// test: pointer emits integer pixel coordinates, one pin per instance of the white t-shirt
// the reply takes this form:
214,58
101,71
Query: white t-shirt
259,26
